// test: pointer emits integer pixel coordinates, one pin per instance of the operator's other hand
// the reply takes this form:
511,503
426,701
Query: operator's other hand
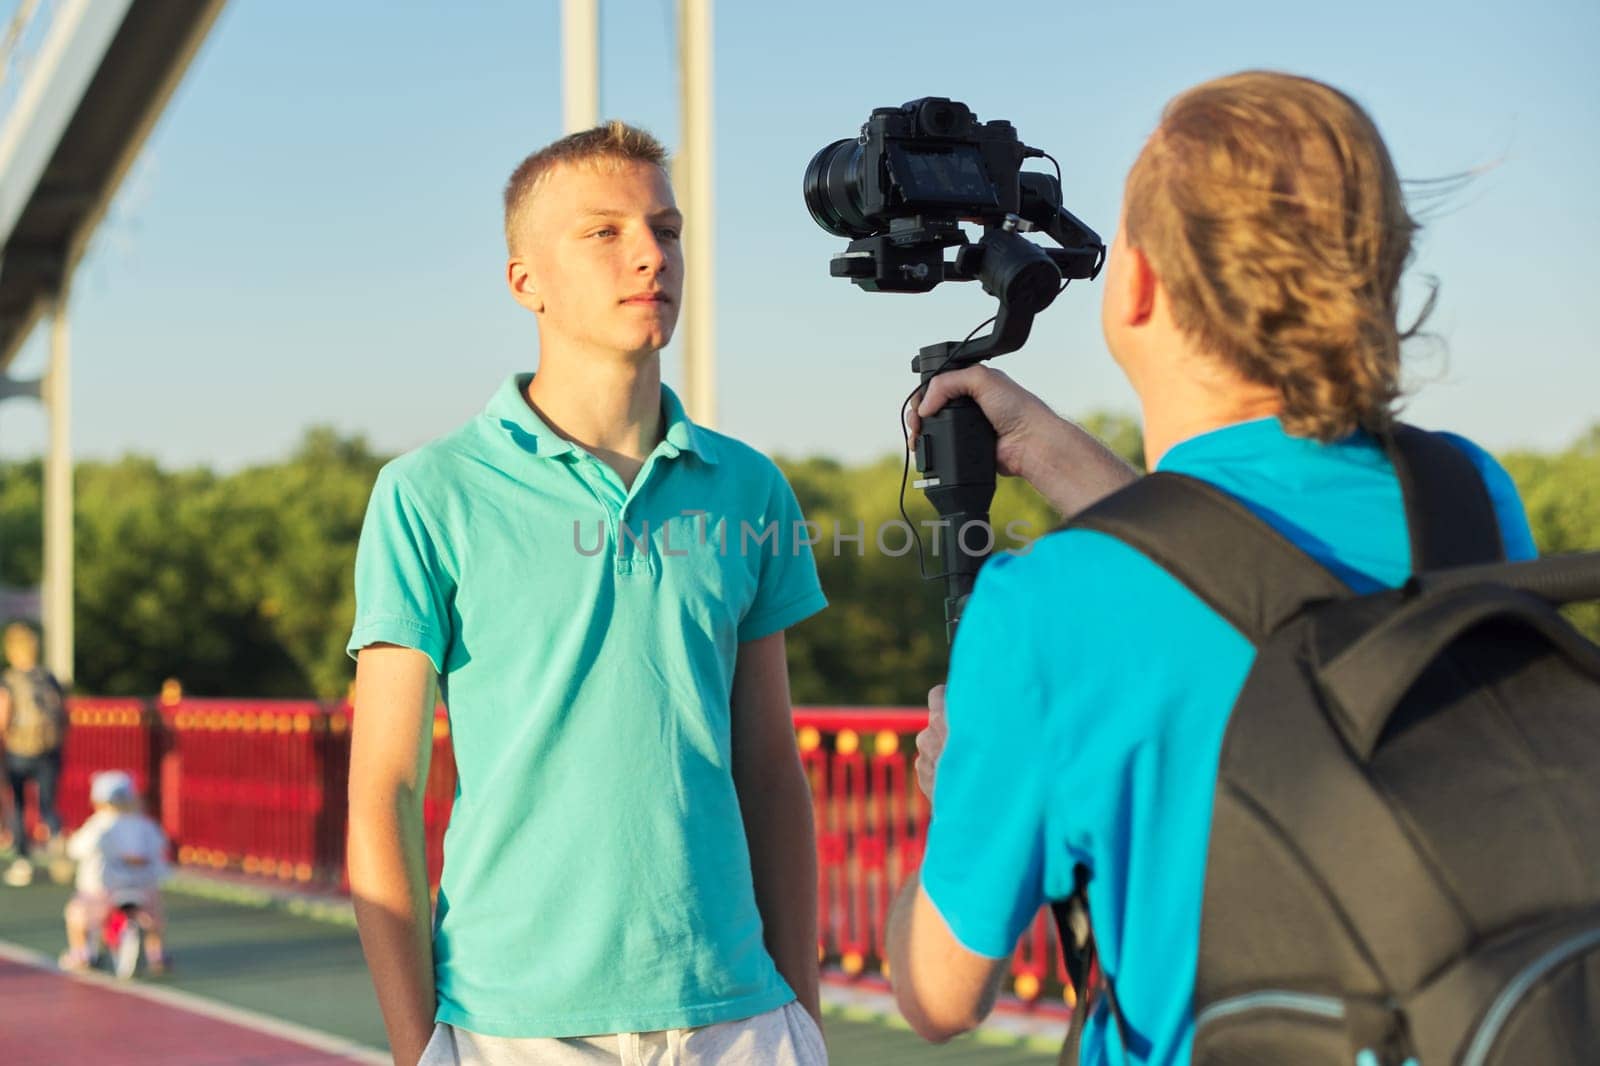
930,742
1017,415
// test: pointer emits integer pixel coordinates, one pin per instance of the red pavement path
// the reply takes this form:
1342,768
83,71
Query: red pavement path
50,1019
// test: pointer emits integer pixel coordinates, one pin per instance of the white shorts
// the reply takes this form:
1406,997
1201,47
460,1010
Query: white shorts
785,1036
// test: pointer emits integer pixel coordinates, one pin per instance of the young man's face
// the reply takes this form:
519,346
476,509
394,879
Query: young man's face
599,258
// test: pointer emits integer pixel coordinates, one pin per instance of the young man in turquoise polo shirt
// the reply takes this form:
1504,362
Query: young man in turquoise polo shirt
1250,297
600,588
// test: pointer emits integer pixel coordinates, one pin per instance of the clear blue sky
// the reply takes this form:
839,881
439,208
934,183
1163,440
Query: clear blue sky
312,235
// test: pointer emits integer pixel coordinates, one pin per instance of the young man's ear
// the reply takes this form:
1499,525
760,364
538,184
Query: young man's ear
520,281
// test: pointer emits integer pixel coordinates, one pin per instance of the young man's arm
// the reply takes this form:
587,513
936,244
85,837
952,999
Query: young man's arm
391,741
775,799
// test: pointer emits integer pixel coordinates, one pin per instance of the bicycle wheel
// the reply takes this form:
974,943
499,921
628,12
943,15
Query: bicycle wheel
129,944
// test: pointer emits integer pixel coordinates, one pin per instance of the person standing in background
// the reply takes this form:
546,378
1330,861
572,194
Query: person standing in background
33,723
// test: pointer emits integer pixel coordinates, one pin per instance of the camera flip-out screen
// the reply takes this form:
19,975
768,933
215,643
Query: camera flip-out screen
942,174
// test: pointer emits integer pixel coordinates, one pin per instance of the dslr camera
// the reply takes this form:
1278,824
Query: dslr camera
901,190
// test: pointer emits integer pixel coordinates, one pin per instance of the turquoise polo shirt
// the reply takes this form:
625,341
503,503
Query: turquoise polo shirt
596,873
1088,695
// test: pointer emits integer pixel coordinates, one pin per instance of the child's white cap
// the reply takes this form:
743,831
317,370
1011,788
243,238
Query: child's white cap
111,786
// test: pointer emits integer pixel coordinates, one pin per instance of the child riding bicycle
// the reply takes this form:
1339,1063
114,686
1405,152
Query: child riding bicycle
122,860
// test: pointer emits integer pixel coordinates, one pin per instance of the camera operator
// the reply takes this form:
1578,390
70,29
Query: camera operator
1250,296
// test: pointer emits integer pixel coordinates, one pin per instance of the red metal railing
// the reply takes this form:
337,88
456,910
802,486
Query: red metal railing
251,787
258,786
106,733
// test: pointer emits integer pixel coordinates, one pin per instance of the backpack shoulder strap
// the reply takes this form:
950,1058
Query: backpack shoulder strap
1234,561
1448,509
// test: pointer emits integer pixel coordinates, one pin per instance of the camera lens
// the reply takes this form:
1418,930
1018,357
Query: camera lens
833,190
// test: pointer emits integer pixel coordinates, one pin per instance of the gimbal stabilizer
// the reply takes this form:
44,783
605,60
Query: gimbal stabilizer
955,450
901,191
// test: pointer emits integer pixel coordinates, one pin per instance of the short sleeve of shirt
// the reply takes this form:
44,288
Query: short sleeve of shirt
83,843
1515,534
787,591
401,587
985,861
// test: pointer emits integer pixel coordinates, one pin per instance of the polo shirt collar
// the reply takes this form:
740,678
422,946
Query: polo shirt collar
509,407
681,434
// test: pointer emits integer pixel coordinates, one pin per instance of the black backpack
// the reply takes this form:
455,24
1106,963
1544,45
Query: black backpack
1404,863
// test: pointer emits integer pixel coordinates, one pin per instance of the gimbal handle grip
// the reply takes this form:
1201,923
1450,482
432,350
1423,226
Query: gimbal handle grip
955,452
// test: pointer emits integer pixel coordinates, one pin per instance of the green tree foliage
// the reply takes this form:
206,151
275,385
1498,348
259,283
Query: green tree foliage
236,585
21,523
298,550
1122,434
240,585
152,589
1562,495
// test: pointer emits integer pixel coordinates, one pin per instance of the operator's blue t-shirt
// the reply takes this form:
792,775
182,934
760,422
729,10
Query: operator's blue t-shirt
1088,695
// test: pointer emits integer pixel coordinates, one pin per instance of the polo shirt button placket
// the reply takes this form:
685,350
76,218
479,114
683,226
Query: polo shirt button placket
633,552
589,471
627,544
629,541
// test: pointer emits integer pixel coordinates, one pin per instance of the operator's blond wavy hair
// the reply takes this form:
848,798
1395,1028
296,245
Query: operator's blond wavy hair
1270,209
613,143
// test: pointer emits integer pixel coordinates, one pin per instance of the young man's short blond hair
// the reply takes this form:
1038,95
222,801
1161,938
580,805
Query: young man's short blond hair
1270,208
610,144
